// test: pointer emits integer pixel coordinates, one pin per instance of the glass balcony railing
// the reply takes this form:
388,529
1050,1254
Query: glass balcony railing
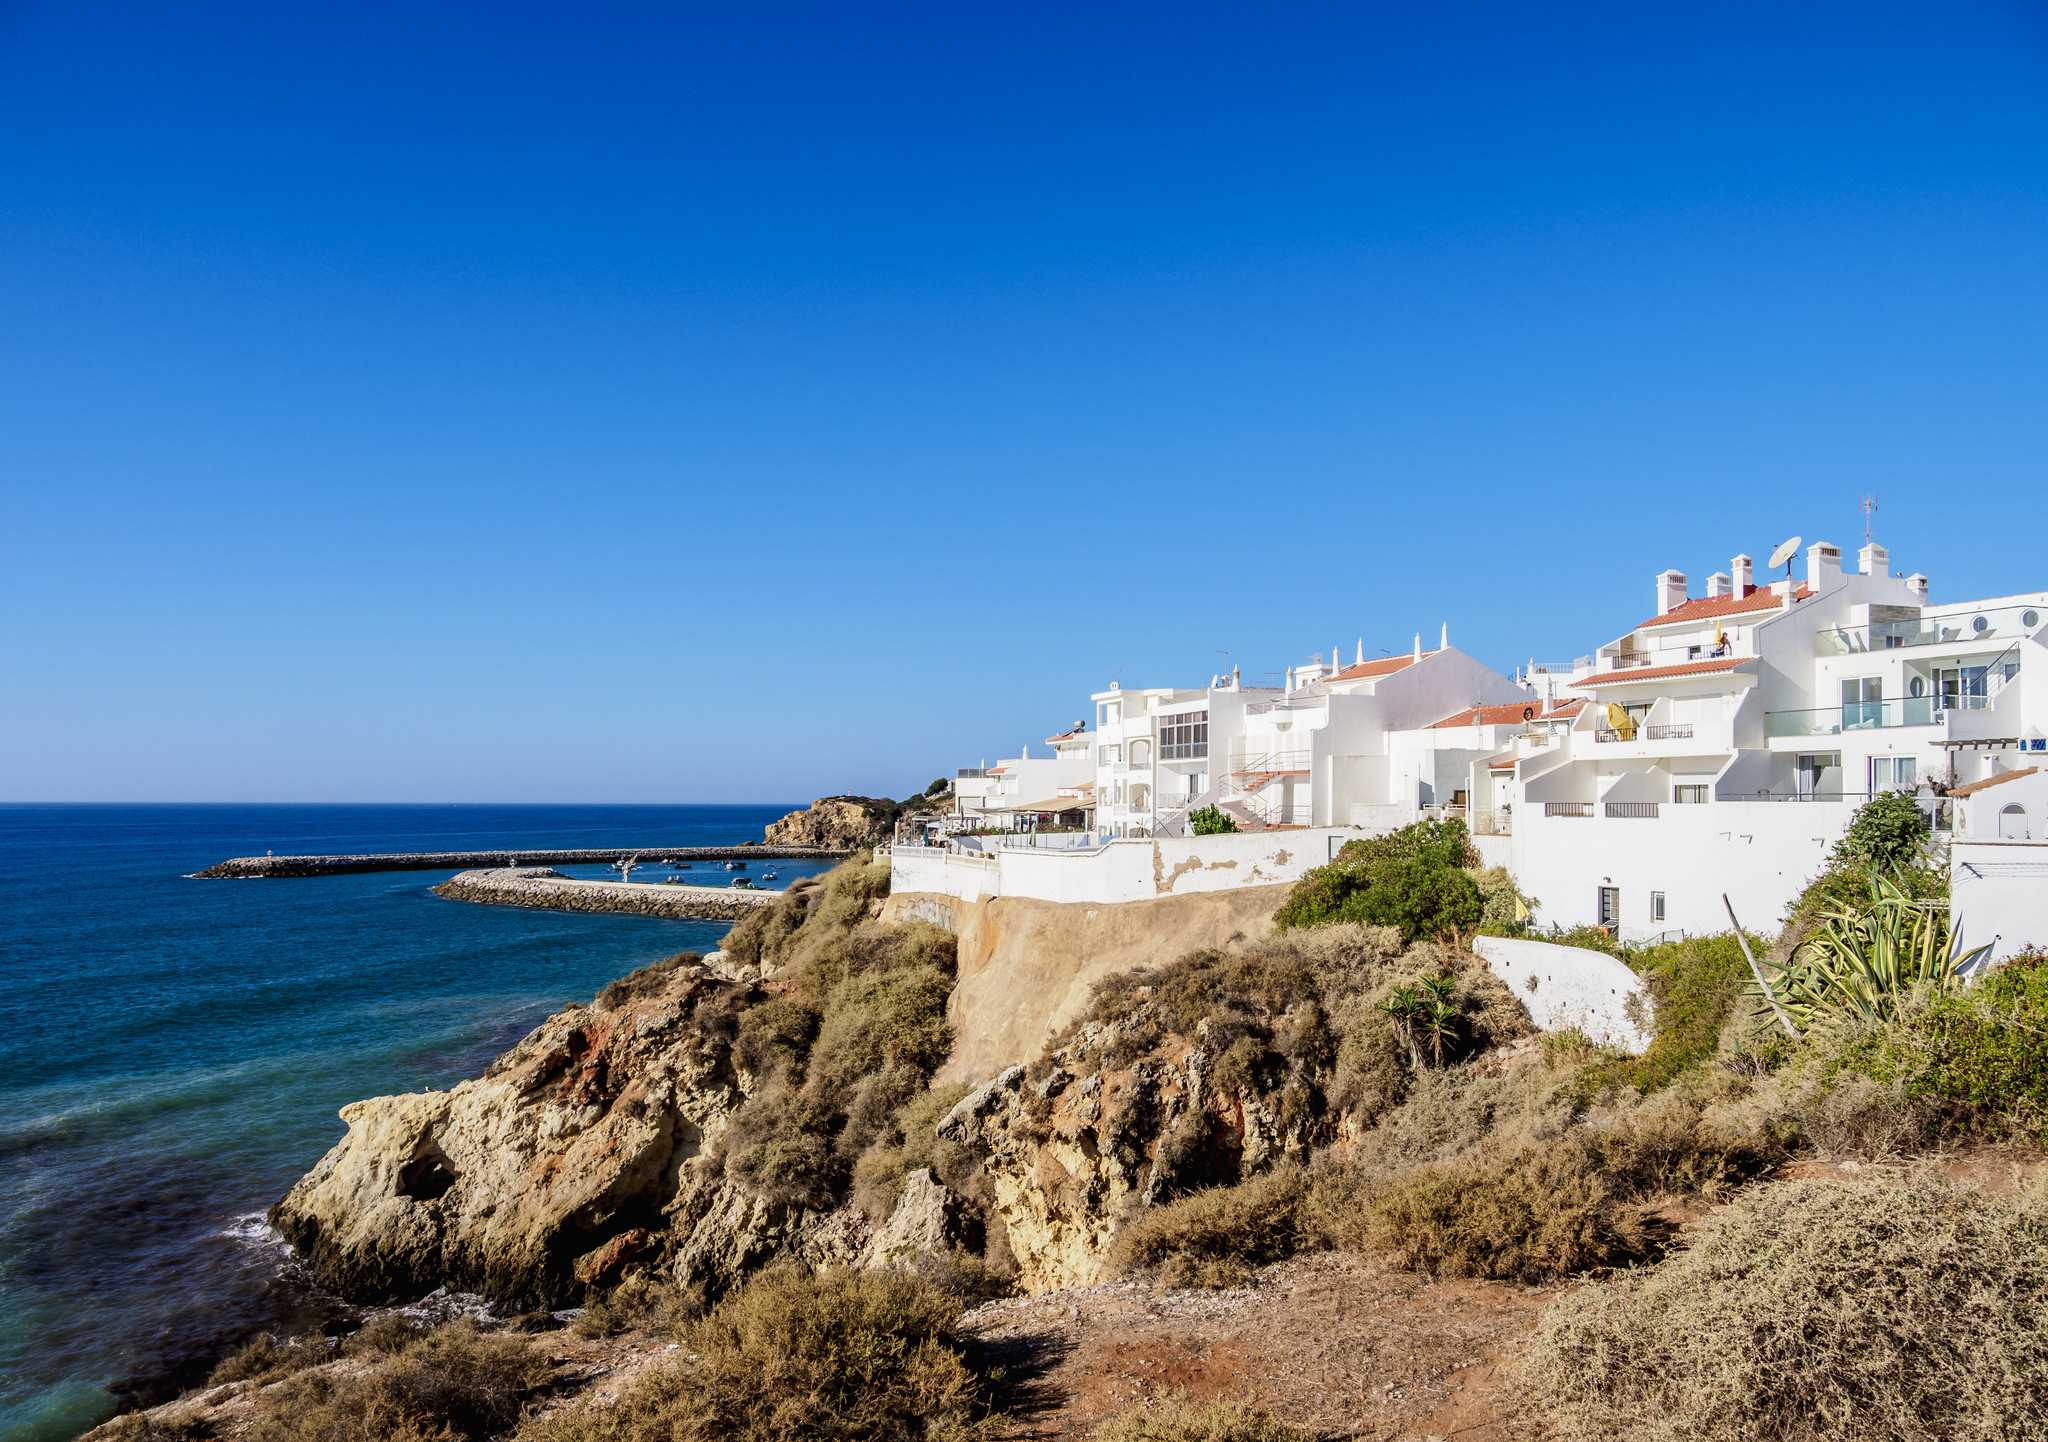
1861,716
1994,623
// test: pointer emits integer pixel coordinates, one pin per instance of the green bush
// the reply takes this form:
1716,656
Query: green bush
1908,1311
1865,959
1211,821
1414,879
1694,985
1980,1056
1888,834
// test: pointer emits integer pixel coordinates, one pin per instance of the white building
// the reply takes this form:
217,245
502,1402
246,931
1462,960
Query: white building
1335,746
1731,737
1011,793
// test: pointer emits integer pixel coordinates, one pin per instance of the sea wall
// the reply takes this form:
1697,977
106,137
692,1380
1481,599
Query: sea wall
551,891
1119,870
243,867
1027,967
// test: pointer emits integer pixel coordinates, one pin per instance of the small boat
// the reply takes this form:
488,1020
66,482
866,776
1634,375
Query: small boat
744,881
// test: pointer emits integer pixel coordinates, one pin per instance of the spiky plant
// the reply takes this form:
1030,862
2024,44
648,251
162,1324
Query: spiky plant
1425,1014
1862,961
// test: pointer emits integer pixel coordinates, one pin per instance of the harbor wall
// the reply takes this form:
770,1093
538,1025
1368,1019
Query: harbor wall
245,867
551,891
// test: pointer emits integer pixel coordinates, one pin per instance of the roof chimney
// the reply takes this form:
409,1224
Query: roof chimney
1874,560
1823,567
1745,574
1418,645
1917,584
1670,592
1718,584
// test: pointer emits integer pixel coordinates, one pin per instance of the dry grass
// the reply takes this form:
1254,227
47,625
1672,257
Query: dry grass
455,1382
1907,1311
839,1359
1183,1421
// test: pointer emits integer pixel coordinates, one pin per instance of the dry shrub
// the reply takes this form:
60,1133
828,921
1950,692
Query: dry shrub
1907,1311
388,1335
165,1426
1215,1238
1852,1116
264,1358
647,981
640,1303
456,1382
844,1357
1181,1420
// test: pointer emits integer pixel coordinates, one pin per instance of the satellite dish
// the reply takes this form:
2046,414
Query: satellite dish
1783,554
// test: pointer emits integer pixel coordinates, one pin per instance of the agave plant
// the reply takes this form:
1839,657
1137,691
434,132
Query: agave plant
1860,962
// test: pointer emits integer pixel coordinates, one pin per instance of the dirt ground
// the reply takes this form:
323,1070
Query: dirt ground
1333,1344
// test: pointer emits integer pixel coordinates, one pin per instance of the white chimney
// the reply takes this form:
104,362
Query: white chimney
1823,567
1874,560
1718,584
1418,645
1670,592
1745,574
1444,642
1917,584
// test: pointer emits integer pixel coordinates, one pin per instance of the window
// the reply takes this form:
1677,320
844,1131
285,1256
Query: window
2030,619
1141,797
1919,687
1887,772
1109,755
1862,702
1818,777
1184,736
1610,905
1656,906
2012,823
1141,754
1689,795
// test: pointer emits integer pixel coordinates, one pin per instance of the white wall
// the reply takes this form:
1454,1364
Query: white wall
1999,889
1121,870
1569,987
1762,853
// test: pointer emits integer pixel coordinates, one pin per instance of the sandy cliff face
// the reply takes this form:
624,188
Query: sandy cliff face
580,1151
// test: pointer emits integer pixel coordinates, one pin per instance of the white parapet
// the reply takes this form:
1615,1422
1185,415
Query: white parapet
1998,893
1569,988
1122,870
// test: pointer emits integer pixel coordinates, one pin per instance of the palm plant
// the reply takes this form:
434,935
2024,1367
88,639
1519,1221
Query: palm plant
1862,961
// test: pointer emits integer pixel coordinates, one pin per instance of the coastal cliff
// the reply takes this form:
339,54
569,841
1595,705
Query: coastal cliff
836,823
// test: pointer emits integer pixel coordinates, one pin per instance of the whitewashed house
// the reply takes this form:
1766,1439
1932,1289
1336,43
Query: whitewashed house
1730,737
1015,792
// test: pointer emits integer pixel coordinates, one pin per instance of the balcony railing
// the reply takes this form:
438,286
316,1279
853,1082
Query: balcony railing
1867,715
1644,733
1994,623
1567,808
1302,703
1637,810
1500,822
1273,763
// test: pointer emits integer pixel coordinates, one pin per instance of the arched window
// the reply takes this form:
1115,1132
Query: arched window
2012,823
1141,753
1141,796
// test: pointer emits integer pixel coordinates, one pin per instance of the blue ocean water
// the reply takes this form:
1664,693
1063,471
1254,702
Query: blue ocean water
175,1051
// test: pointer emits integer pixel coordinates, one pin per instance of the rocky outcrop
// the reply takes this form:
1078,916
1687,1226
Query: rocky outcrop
835,823
585,1149
547,888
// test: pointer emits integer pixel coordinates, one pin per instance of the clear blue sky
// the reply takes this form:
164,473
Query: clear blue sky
694,403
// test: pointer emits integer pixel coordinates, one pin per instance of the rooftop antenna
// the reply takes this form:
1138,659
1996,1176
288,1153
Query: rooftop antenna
1869,508
1783,557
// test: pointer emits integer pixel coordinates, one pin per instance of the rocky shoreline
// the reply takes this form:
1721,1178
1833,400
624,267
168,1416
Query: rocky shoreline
549,890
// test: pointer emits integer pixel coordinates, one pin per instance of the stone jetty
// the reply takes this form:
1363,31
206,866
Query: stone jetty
546,888
244,867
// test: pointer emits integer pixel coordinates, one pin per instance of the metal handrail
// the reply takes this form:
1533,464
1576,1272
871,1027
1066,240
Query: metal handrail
1636,809
1567,808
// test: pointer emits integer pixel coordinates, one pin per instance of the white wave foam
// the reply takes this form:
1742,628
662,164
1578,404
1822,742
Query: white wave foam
252,1230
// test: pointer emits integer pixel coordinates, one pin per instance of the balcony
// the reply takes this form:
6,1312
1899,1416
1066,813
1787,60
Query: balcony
1644,733
1995,623
1187,751
1632,810
1867,715
1567,808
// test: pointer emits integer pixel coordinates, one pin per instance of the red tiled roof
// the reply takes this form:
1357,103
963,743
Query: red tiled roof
1662,673
1509,714
1503,762
1385,666
1707,608
2001,778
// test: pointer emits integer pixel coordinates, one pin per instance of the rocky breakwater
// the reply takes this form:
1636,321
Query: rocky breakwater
590,1148
546,888
244,868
